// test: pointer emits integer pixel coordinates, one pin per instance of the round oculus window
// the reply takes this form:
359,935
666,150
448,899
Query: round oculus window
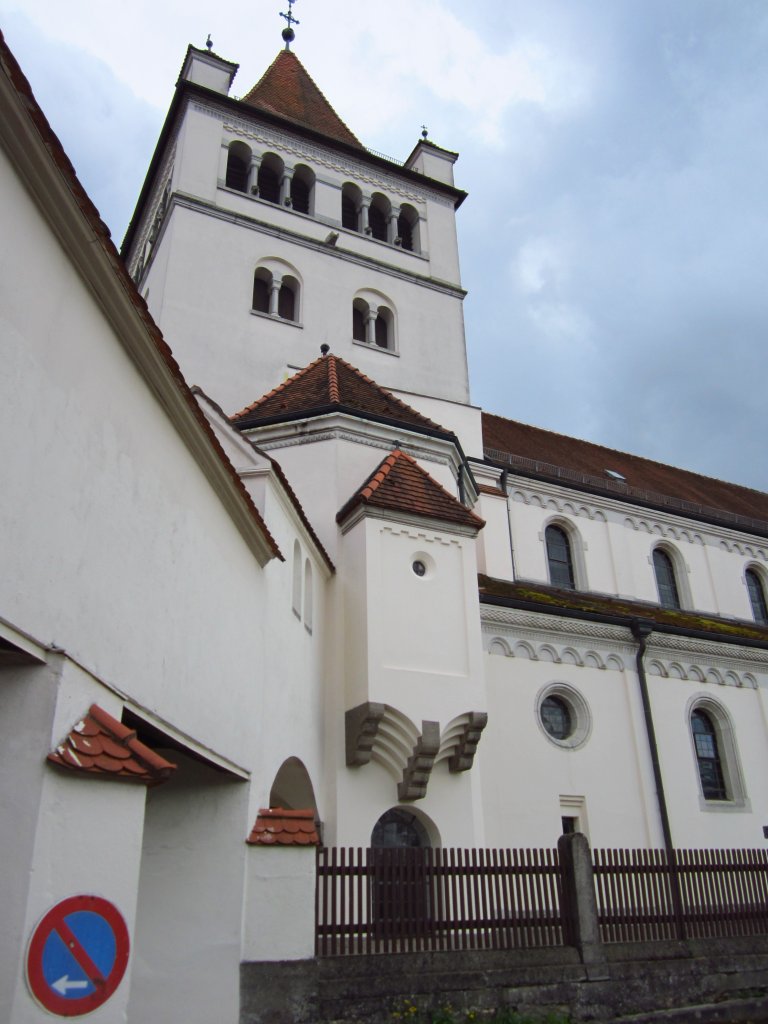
563,715
419,568
556,717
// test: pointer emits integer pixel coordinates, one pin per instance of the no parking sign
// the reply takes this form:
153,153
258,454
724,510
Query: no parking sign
77,955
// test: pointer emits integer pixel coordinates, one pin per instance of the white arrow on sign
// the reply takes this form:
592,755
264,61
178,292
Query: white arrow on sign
63,985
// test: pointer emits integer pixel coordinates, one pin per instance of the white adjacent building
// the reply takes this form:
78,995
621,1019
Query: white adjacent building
319,595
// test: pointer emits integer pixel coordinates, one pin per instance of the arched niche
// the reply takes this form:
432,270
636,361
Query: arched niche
292,787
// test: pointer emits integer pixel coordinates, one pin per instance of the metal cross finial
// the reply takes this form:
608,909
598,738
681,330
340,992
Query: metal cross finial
209,42
424,131
288,34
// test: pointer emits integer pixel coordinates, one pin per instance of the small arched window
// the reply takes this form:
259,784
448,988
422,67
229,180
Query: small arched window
559,560
378,216
262,286
238,166
296,589
757,596
308,595
351,197
705,741
359,317
407,228
383,328
666,581
287,298
270,178
302,189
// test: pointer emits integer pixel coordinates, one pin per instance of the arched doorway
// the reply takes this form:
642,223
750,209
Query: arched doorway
401,876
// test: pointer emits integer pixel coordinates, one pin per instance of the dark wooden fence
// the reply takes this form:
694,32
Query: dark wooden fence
642,895
407,900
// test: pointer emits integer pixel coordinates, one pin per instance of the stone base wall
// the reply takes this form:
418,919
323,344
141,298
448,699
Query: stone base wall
631,978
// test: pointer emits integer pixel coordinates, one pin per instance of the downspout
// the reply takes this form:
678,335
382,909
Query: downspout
503,486
641,630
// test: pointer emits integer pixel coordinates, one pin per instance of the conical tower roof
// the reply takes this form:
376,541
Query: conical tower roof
287,89
327,384
399,484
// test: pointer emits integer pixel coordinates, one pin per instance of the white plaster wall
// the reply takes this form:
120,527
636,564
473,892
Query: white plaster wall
237,356
494,545
279,910
525,773
88,841
27,702
462,419
617,545
697,823
188,920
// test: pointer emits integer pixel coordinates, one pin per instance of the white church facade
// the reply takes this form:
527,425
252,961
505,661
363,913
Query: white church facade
271,580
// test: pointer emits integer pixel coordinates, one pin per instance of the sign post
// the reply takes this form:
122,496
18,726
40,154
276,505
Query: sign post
77,955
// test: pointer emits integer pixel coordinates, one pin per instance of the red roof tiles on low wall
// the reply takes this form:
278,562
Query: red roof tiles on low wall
276,826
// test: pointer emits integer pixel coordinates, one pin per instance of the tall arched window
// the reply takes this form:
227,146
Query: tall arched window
666,581
351,197
378,216
383,328
238,165
708,756
296,588
359,316
559,560
407,228
302,188
757,596
308,595
262,285
287,298
270,178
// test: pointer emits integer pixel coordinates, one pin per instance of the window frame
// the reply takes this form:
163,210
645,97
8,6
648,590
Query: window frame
756,592
671,561
736,799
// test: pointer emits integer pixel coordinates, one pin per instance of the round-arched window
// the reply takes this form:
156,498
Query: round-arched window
399,828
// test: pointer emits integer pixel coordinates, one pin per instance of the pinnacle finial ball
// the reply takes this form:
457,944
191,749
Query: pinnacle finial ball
288,34
325,349
209,42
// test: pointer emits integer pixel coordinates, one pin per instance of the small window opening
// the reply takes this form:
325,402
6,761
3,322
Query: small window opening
358,322
301,189
286,300
270,176
350,206
757,597
262,281
569,825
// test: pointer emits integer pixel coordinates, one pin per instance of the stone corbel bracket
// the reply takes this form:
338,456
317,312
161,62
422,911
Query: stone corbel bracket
419,765
361,726
460,740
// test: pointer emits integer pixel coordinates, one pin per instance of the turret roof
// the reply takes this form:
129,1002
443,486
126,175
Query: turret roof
327,384
399,484
287,89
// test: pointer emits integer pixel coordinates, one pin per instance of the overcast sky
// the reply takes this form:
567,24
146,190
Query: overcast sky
615,238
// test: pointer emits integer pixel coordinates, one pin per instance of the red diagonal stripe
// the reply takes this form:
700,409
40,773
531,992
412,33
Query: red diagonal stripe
85,963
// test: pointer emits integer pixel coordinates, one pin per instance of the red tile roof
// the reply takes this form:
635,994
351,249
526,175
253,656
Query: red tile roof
99,745
276,826
326,384
399,484
286,89
543,452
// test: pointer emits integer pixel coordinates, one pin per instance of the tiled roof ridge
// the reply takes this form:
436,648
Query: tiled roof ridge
278,826
335,362
389,465
100,745
252,98
622,454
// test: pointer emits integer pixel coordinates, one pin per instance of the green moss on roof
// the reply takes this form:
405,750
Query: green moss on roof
550,598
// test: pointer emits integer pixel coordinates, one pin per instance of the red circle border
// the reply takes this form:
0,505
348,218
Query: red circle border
36,981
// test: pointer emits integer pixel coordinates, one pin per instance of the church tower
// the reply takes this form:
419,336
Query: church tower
266,229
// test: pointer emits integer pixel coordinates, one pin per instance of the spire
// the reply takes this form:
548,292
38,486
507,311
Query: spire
287,90
288,34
